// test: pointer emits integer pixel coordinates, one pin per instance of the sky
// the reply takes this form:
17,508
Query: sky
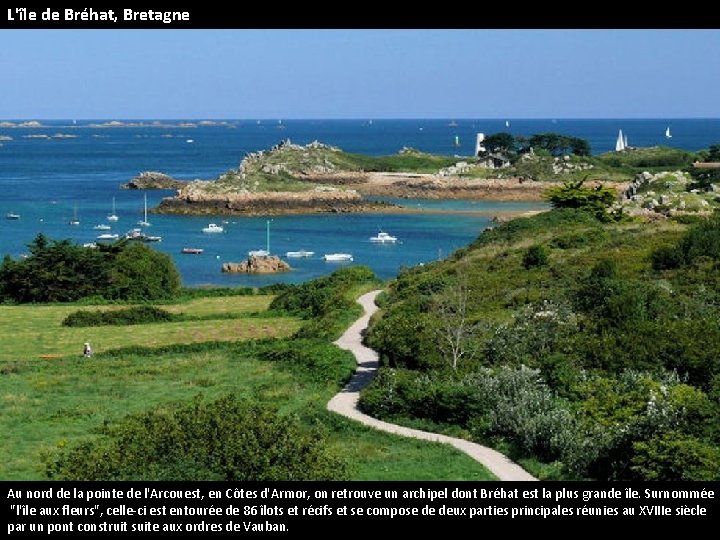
238,74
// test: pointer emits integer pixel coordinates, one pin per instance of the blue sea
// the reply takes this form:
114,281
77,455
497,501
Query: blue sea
50,180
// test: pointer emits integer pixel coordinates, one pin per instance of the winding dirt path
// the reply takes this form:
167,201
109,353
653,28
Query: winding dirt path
346,402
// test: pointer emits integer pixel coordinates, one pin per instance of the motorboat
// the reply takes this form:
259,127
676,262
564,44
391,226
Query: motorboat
258,253
108,236
192,251
102,227
383,238
336,257
213,228
299,254
11,215
139,235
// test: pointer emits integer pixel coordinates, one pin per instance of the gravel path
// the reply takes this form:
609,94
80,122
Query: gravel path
346,402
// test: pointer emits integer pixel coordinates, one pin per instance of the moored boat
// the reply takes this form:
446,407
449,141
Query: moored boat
336,257
383,238
191,251
299,254
213,228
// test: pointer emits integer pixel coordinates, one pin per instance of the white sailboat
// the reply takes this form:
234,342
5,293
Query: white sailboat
507,123
621,142
75,220
113,216
263,252
144,222
668,135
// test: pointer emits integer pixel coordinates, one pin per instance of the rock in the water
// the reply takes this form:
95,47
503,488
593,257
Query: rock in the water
263,264
153,180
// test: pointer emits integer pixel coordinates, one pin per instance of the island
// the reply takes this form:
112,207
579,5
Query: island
314,178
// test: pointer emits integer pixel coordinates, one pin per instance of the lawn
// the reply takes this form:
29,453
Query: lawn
49,404
32,332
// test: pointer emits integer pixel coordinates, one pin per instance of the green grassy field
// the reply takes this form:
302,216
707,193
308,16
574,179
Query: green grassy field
47,405
32,332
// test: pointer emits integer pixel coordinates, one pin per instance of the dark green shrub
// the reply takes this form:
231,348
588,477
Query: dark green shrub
119,317
667,258
534,256
224,439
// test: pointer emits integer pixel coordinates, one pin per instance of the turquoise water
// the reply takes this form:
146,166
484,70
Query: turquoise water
47,180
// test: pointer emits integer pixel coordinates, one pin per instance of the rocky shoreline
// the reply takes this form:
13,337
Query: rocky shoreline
432,186
198,202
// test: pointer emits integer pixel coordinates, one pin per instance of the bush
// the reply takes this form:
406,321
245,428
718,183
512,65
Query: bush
534,256
674,456
120,317
226,439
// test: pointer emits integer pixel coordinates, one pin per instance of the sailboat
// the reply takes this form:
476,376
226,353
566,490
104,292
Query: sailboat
456,142
668,135
263,252
113,216
75,220
621,142
144,222
452,123
507,123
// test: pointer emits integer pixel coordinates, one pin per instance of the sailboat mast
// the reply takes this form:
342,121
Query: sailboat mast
267,234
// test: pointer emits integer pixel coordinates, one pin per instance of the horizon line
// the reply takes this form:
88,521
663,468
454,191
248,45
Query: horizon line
359,118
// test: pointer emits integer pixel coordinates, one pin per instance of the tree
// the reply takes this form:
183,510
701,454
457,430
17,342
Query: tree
573,194
141,273
500,142
560,145
55,271
455,330
61,271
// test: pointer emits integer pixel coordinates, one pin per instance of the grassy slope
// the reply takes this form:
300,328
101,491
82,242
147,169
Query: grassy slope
32,331
499,286
47,405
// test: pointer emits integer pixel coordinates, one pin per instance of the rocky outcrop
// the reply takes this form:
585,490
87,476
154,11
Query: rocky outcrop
267,264
154,180
196,199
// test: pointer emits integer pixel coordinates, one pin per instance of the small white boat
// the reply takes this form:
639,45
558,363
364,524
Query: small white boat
190,141
383,238
108,236
336,257
75,220
192,251
668,135
258,253
102,227
213,228
299,254
11,215
113,216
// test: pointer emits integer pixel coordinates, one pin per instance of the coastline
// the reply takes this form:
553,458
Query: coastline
346,192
